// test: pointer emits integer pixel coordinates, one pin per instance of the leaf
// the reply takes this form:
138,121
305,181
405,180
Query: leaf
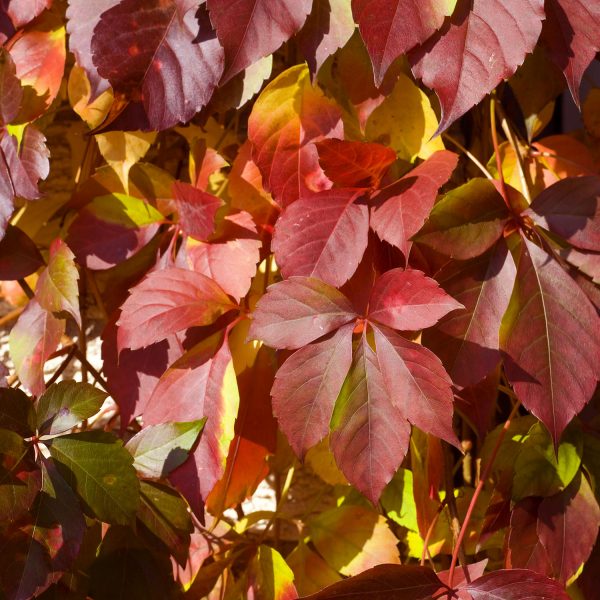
416,383
251,29
467,342
475,50
19,256
571,209
57,289
571,33
298,311
307,386
352,539
97,466
16,412
159,55
270,576
311,572
398,501
196,210
405,121
159,449
367,429
165,513
11,93
19,486
390,29
546,331
354,164
22,12
323,236
34,337
66,404
400,209
328,27
409,300
466,222
166,302
515,584
408,582
287,118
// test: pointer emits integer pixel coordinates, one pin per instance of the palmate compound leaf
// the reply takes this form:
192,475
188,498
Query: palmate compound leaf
467,341
160,54
571,209
482,43
298,311
322,235
391,28
401,208
516,584
166,302
385,582
287,118
548,330
571,34
251,29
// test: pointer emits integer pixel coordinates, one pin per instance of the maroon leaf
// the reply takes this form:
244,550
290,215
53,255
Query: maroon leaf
571,208
516,584
402,207
477,403
369,436
298,311
468,341
21,182
196,209
19,256
391,28
307,386
166,302
323,235
251,29
385,582
158,54
548,330
483,43
11,93
409,301
354,164
586,262
572,35
329,26
417,384
34,155
467,221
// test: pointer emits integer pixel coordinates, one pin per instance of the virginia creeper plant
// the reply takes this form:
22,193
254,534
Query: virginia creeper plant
339,248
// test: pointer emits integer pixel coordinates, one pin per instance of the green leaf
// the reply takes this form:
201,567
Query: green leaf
399,502
65,404
124,210
157,450
272,578
97,466
165,513
538,470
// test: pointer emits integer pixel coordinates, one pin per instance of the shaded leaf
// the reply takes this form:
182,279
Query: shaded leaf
515,585
311,572
19,256
16,412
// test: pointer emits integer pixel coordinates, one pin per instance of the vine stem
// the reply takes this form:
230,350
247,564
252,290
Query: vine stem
469,155
503,190
477,493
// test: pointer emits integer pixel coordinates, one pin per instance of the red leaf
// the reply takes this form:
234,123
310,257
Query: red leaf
298,311
158,54
307,386
550,329
323,236
11,93
572,35
409,301
516,584
464,574
19,256
477,403
466,222
391,28
329,26
571,208
289,115
468,341
251,29
417,383
476,50
402,207
166,302
196,209
385,582
369,436
354,164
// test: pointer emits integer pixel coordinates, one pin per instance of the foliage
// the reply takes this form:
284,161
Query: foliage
334,239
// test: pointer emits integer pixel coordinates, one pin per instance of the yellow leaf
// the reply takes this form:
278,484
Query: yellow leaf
80,91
